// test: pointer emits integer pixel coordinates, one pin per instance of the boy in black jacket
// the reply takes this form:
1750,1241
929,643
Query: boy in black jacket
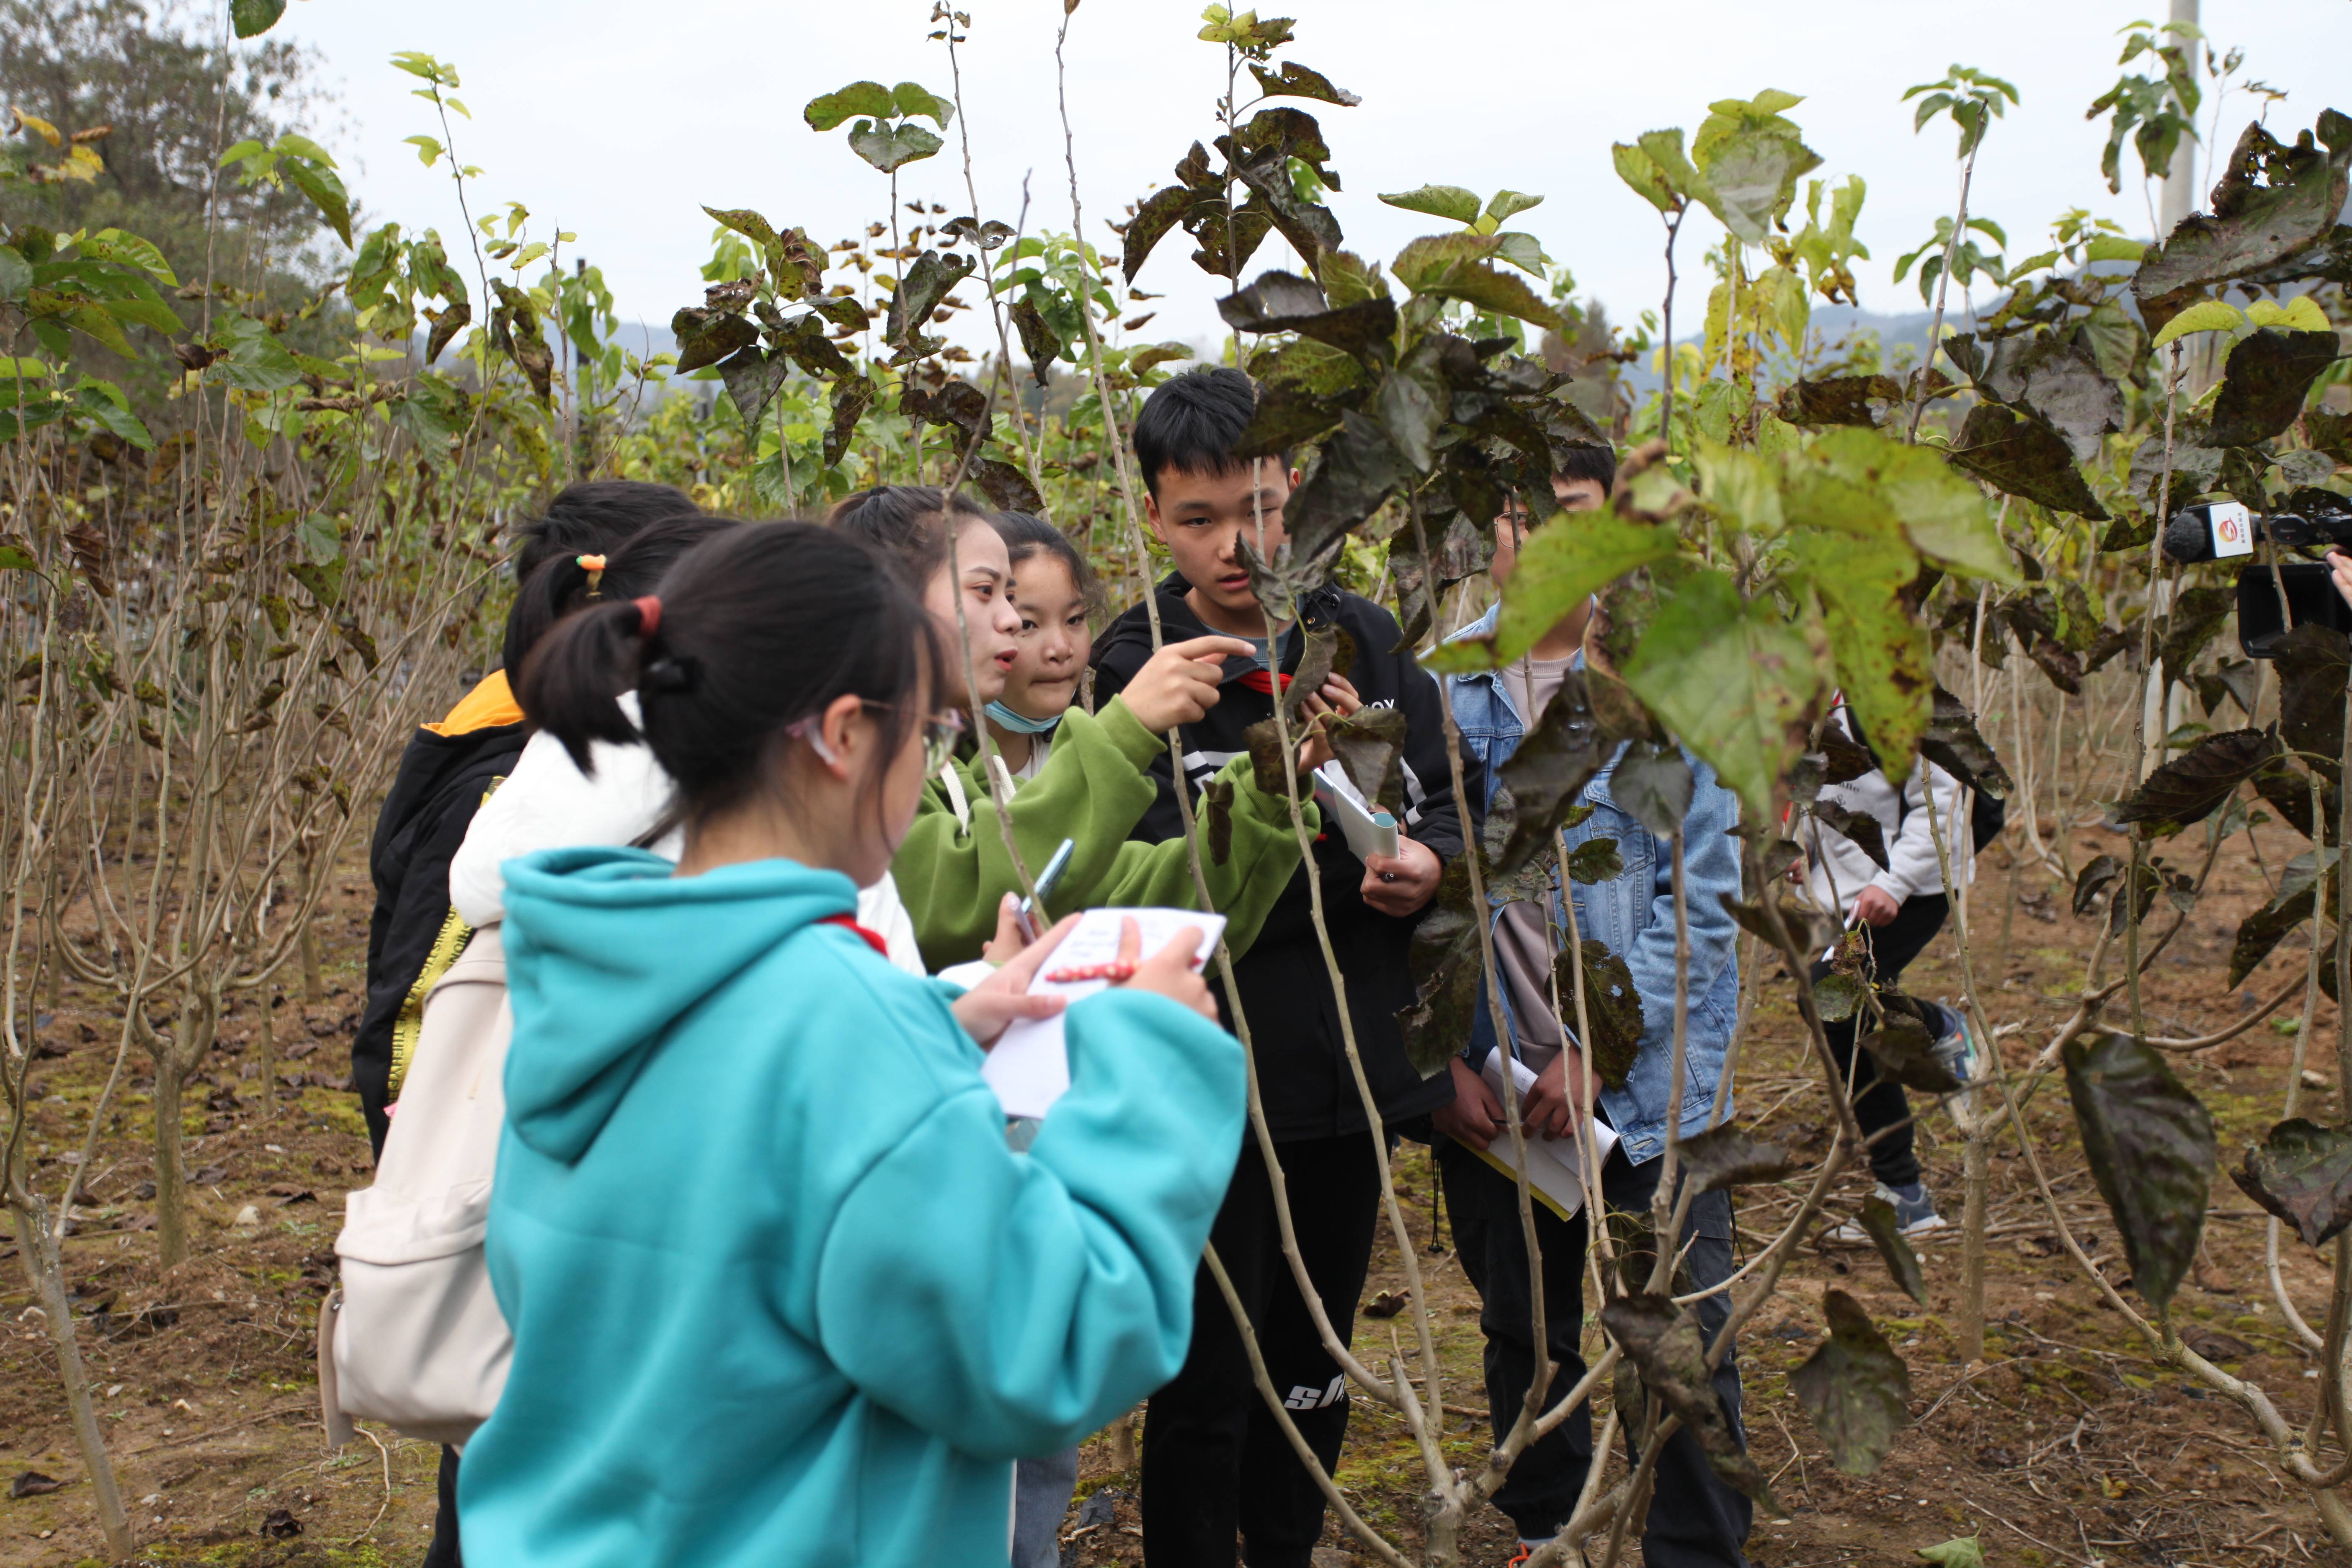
1215,1461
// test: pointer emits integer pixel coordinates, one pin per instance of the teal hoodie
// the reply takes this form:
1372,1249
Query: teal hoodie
780,1294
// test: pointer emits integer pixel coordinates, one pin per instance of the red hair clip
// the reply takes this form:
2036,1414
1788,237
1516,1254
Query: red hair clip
648,616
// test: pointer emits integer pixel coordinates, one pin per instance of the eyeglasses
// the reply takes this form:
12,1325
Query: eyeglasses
939,732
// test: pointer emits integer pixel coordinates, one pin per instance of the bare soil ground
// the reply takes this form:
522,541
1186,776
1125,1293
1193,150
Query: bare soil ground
2065,1445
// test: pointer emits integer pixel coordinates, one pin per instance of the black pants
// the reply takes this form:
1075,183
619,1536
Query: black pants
443,1552
1695,1519
1879,1104
1215,1463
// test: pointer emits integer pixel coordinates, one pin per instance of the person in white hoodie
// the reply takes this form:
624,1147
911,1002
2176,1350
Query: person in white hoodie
547,802
1898,906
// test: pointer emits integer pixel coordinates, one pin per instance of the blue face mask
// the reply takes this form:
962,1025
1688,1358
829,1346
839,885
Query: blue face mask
1021,723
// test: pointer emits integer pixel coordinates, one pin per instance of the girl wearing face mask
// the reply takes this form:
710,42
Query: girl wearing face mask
1095,781
1055,592
780,1293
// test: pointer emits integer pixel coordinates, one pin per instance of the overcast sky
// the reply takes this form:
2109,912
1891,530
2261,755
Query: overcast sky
618,120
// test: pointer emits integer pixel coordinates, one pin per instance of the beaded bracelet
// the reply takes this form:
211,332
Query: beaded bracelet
1116,971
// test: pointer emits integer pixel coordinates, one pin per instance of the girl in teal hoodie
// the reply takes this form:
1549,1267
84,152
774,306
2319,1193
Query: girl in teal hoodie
780,1293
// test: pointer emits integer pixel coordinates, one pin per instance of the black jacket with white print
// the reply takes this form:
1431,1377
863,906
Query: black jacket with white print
1285,989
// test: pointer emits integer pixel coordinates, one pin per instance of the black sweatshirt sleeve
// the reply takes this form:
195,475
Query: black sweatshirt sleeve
1431,814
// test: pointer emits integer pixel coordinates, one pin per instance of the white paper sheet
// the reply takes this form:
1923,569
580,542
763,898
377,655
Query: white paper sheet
1029,1066
1367,829
1554,1165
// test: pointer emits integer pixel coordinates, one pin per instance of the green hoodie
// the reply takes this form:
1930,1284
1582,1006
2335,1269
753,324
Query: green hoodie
780,1293
1094,788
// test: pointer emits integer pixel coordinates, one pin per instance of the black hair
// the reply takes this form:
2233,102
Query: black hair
1025,534
1192,423
592,518
758,628
909,524
561,585
1598,464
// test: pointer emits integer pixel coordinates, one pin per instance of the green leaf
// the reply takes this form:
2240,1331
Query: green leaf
326,193
15,275
911,98
1753,172
870,99
2115,247
1944,516
92,402
1856,1388
2262,388
1507,205
1960,1551
321,539
1562,563
2302,1172
251,360
251,18
16,555
2195,784
1733,679
2150,1145
1880,651
1452,266
1640,171
1884,1228
2025,458
2210,316
892,147
1595,860
1450,202
130,250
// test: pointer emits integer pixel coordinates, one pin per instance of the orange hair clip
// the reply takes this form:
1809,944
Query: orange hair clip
594,567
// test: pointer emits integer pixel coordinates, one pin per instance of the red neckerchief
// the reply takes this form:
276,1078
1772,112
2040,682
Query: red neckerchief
1261,681
871,938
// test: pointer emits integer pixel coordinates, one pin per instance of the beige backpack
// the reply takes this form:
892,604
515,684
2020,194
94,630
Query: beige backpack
413,1337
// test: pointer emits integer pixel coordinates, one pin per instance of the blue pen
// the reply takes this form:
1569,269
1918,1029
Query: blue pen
1047,881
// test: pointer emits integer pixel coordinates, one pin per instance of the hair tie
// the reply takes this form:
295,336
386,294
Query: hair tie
648,616
668,674
594,567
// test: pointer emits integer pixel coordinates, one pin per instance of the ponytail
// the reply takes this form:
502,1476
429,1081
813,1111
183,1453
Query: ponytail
569,586
572,682
753,629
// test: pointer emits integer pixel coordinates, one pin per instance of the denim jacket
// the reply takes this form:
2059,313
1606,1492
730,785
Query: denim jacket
1633,915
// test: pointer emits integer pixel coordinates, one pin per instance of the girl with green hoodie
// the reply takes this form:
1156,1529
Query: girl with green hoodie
780,1291
953,872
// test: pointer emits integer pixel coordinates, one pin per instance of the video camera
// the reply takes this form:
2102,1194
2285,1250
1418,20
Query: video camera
2311,520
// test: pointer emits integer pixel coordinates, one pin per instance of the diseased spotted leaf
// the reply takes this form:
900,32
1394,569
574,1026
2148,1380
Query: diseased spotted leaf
2151,1150
1448,973
1953,743
1558,757
1906,1053
1837,400
2251,226
2302,1172
852,396
1665,1345
1369,746
1856,1388
1612,1005
1732,1157
2195,614
706,336
1838,997
2025,458
1217,819
2098,875
1007,486
1595,860
2264,385
2195,784
919,292
1884,1228
1867,832
2313,662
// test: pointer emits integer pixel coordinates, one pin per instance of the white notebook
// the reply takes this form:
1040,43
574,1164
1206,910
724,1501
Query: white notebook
1029,1066
1367,829
1555,1174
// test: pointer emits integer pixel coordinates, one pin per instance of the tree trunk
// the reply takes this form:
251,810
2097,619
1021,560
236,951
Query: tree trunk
170,1189
268,1052
47,1268
1975,1162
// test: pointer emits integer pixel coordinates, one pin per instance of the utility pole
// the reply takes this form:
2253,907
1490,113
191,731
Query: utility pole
2180,195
